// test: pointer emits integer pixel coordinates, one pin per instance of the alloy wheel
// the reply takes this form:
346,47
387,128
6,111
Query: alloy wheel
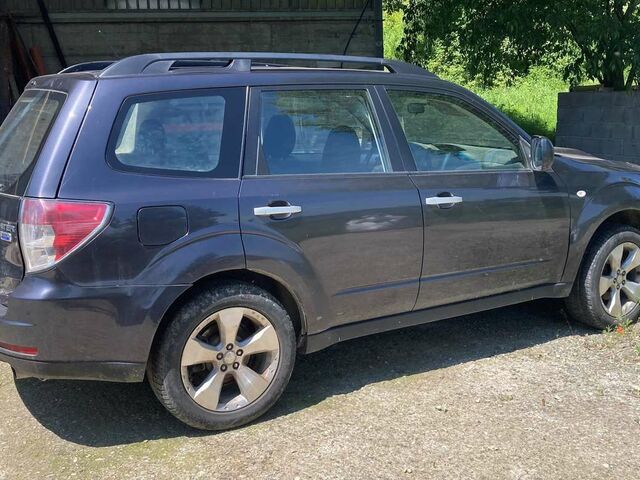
230,359
619,287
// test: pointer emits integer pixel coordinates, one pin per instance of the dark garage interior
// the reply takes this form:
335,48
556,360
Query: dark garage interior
44,36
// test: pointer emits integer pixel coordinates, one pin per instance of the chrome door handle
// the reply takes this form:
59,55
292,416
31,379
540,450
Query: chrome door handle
443,200
283,210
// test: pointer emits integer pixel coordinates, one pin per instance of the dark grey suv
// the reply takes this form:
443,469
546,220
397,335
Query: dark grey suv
198,219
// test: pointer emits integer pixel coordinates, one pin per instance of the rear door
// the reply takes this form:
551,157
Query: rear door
492,225
22,136
322,181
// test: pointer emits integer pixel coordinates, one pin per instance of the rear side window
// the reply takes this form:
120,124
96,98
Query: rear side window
186,133
319,131
22,135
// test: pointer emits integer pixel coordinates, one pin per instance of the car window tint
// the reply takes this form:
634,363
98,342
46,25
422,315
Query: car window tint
181,133
22,134
319,131
444,135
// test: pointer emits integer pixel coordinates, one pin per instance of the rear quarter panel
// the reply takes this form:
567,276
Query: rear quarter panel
135,284
55,152
117,257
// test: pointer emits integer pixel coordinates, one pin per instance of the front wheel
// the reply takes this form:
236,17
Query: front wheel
225,358
607,290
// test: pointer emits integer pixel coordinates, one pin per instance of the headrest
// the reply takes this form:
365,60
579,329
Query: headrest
151,138
279,138
341,151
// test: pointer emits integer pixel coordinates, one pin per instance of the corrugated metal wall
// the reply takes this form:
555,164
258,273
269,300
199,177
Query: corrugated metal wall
22,6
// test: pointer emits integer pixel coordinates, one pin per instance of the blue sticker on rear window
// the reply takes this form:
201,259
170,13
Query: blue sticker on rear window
5,236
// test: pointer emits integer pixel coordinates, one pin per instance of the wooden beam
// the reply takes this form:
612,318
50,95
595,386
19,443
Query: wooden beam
6,68
52,33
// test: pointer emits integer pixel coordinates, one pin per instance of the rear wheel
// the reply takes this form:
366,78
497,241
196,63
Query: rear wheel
607,290
225,358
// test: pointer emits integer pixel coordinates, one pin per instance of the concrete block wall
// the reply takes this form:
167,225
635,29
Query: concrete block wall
606,124
95,30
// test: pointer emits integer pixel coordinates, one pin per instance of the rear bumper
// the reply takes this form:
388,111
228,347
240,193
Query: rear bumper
103,371
97,333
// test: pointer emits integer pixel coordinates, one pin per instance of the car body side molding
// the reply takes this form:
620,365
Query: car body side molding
319,341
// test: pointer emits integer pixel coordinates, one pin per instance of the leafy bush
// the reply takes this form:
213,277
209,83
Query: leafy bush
531,101
592,39
393,29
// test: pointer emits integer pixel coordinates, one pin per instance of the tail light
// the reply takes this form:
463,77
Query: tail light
50,230
30,351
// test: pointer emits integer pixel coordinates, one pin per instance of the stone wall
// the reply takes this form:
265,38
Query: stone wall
606,124
107,29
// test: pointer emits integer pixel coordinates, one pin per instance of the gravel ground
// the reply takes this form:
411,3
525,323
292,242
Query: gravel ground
514,393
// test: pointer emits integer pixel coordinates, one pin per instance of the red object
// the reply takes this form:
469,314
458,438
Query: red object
70,222
31,351
38,61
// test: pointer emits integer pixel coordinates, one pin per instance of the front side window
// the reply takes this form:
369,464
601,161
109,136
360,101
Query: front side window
318,131
445,135
185,134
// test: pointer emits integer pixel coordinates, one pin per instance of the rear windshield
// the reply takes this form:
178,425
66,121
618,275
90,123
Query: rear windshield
22,134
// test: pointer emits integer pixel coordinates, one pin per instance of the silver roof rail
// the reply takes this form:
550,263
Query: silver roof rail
242,61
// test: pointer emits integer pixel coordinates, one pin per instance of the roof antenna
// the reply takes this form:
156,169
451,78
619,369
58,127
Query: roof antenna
355,27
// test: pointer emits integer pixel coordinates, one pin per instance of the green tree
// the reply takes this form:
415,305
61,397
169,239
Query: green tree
393,33
592,39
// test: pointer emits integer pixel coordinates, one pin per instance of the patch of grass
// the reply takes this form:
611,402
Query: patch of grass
623,339
531,102
614,335
623,328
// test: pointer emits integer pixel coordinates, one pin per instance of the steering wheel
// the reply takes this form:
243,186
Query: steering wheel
496,157
514,160
450,157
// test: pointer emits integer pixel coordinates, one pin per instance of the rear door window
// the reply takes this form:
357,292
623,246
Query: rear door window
187,133
319,132
22,135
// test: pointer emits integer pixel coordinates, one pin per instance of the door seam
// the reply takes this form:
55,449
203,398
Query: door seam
424,239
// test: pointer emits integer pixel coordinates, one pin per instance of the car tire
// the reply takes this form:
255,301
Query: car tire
189,391
610,270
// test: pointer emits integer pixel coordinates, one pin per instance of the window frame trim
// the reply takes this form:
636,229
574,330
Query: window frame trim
379,117
114,163
477,109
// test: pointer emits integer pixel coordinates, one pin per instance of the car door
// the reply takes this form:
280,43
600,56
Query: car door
325,195
492,225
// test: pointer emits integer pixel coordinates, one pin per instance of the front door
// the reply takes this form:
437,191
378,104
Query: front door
492,225
334,200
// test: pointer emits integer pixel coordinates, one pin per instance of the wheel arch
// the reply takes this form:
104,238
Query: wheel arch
628,215
274,286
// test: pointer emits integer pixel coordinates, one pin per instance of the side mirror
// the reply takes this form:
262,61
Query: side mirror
542,153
